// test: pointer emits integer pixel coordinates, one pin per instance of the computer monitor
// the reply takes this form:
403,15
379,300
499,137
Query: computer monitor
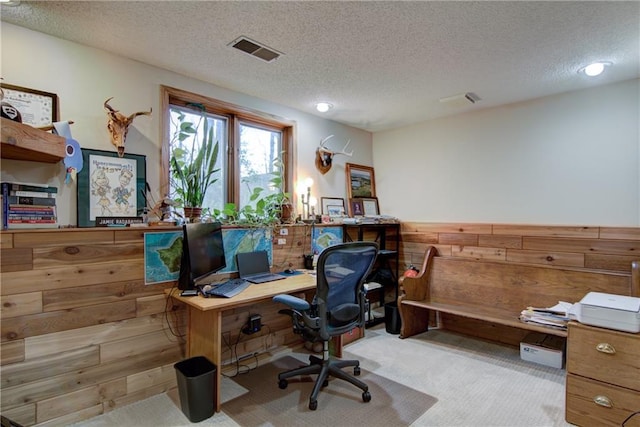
202,252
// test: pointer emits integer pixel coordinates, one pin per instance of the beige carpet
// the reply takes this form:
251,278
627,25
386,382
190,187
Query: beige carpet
339,404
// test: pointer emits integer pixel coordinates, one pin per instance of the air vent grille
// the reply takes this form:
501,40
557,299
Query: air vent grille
255,49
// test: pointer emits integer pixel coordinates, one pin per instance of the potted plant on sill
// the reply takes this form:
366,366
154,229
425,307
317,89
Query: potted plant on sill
193,168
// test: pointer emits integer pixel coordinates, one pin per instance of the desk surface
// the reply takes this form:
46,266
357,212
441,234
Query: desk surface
255,292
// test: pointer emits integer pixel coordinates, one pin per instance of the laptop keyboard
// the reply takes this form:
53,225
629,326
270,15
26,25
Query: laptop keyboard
230,288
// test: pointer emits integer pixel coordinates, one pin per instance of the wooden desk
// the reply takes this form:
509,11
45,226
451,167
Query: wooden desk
204,334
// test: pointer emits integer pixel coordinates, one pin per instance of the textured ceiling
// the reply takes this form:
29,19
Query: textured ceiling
382,64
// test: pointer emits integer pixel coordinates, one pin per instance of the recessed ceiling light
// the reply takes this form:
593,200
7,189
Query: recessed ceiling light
10,2
594,69
323,107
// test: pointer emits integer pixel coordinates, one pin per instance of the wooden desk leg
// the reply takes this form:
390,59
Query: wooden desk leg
204,339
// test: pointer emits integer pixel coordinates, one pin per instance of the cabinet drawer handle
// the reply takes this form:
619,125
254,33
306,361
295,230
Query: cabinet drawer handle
603,401
604,347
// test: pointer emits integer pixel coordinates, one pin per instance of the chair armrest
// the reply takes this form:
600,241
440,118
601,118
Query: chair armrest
293,302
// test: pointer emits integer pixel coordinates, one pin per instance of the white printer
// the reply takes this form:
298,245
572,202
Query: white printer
610,311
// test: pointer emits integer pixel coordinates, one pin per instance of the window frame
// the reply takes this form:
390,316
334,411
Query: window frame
235,115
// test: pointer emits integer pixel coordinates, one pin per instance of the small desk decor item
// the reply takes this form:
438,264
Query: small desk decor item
332,206
360,181
370,206
110,186
35,107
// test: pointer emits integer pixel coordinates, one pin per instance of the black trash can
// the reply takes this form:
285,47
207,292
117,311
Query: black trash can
392,320
196,386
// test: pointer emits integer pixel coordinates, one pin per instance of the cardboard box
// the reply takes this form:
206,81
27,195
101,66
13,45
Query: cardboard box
543,349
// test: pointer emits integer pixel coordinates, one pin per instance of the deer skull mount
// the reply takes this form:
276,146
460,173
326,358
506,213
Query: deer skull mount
118,125
324,156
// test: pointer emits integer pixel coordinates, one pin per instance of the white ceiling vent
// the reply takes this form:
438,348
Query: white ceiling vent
256,49
460,100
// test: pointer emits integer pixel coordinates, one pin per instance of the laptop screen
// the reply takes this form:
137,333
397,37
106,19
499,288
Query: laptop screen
250,263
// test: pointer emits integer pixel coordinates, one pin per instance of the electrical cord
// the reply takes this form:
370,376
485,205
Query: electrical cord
166,314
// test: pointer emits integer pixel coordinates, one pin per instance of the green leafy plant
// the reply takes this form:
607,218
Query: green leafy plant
193,168
262,210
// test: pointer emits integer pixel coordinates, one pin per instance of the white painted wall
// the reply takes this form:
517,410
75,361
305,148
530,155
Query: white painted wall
567,159
83,78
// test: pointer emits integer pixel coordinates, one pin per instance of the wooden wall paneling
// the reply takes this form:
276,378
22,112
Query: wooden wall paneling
67,237
568,259
34,391
622,233
417,237
67,403
159,341
11,352
477,252
547,230
19,259
153,304
609,262
70,276
616,247
85,254
459,239
421,227
113,389
62,299
44,367
24,415
62,320
92,335
20,304
500,241
73,417
160,375
6,240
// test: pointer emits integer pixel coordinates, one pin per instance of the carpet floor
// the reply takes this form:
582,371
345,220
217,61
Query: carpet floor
460,380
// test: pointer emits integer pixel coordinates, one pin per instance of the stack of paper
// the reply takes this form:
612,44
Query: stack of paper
556,316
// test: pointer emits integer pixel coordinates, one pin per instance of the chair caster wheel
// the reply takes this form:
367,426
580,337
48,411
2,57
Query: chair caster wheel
313,405
356,371
283,384
366,396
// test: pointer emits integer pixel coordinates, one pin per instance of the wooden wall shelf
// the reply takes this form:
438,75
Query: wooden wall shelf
24,142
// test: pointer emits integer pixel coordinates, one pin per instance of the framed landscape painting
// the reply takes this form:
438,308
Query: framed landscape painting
360,181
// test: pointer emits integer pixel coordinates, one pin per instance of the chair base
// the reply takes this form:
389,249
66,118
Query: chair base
325,368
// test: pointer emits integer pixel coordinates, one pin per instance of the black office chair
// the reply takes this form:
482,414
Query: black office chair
338,307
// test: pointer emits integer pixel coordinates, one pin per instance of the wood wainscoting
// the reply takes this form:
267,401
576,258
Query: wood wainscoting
81,332
605,249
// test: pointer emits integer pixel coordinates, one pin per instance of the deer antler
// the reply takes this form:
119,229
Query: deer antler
324,156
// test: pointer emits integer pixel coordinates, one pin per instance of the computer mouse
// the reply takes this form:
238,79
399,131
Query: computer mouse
288,271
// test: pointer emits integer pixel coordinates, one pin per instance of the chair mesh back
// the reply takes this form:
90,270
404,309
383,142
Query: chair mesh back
342,270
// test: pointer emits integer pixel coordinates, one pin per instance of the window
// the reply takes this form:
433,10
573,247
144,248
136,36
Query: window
252,145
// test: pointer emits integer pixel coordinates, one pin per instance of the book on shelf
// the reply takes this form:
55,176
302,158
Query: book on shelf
28,205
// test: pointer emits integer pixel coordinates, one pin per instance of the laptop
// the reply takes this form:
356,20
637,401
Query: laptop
254,267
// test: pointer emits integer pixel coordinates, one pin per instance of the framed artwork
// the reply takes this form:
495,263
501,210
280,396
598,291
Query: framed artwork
370,206
332,206
356,207
360,181
36,108
110,186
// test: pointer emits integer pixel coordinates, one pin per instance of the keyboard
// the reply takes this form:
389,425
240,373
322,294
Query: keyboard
228,289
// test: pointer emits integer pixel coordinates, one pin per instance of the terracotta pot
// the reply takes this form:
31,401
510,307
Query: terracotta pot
192,214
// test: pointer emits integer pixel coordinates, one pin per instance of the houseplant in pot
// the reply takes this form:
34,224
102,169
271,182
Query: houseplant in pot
192,164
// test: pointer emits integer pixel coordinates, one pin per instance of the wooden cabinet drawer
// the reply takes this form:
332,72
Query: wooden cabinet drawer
604,355
582,409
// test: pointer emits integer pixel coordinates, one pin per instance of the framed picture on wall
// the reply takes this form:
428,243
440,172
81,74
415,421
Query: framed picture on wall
331,205
360,181
356,208
110,186
370,206
36,108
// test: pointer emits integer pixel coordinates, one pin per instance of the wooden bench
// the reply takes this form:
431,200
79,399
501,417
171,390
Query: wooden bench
496,292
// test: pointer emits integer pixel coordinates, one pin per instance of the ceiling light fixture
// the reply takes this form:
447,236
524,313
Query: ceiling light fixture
323,107
10,2
594,69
